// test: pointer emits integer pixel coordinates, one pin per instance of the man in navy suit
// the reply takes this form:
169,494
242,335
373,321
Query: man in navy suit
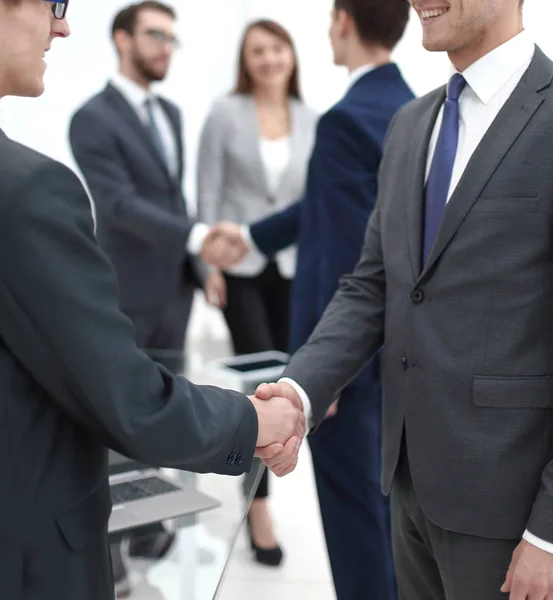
329,225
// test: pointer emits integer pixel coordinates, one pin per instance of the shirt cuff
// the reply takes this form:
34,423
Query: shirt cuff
196,238
304,400
536,541
247,237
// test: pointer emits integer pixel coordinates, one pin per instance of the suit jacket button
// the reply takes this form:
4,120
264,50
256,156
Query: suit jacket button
238,459
404,362
230,459
417,296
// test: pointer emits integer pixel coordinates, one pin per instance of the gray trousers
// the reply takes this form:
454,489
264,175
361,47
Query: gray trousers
435,564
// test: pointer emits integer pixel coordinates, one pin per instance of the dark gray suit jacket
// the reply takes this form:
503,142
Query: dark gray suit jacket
468,340
72,382
141,214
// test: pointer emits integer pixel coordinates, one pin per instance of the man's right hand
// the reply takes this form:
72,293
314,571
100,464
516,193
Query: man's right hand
268,390
281,432
224,246
278,419
281,461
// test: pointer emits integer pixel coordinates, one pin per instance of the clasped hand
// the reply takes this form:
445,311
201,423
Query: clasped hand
281,426
224,246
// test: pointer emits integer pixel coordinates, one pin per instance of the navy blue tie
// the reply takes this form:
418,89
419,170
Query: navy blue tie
154,130
441,170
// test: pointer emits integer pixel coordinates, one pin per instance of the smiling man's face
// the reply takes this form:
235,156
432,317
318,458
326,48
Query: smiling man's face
462,27
27,29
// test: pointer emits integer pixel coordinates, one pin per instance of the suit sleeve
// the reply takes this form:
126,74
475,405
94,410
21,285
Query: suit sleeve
211,165
59,317
116,199
278,231
351,330
347,165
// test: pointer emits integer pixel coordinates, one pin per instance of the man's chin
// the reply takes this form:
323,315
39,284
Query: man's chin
29,91
433,44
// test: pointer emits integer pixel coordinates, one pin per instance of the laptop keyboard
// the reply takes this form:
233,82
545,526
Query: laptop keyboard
142,488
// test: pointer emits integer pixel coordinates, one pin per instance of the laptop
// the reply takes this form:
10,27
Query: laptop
142,495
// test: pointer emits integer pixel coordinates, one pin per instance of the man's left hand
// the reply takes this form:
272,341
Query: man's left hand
530,575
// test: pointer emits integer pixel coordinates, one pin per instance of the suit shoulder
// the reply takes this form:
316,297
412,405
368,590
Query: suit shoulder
94,105
23,170
413,109
339,116
20,163
229,104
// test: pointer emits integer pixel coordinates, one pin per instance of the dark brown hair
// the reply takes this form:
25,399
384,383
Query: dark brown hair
244,84
380,22
127,18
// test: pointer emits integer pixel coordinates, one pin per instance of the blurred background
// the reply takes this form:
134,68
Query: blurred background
204,69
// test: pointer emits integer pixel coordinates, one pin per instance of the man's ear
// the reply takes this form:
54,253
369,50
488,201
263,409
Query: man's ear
345,23
122,40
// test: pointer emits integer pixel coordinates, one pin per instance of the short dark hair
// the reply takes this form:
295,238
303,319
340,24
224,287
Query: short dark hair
381,22
127,18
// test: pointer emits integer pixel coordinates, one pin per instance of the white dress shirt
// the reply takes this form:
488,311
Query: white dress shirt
490,83
275,155
137,96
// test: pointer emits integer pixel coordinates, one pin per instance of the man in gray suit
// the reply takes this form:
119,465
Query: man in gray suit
456,282
72,380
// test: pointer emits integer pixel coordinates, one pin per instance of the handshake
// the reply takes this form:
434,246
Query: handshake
282,426
224,245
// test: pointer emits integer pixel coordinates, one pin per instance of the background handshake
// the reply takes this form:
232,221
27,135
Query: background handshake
224,245
282,426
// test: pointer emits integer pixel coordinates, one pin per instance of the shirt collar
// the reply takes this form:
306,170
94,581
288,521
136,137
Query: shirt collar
135,95
356,74
490,73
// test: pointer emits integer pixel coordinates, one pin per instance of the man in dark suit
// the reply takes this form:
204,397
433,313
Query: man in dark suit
455,282
128,144
329,224
72,378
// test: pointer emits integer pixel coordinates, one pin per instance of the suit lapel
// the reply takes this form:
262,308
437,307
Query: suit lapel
502,134
252,139
128,114
415,177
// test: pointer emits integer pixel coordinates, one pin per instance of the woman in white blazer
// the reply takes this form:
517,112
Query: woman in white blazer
252,161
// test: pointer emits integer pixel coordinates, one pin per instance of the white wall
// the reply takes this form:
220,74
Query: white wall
205,67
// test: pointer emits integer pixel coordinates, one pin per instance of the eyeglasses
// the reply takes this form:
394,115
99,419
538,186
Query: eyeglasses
59,8
163,38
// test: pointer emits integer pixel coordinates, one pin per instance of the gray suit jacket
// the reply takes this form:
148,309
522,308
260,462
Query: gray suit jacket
468,339
232,185
231,179
72,382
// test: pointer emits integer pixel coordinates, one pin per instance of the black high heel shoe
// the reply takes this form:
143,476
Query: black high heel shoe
271,557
